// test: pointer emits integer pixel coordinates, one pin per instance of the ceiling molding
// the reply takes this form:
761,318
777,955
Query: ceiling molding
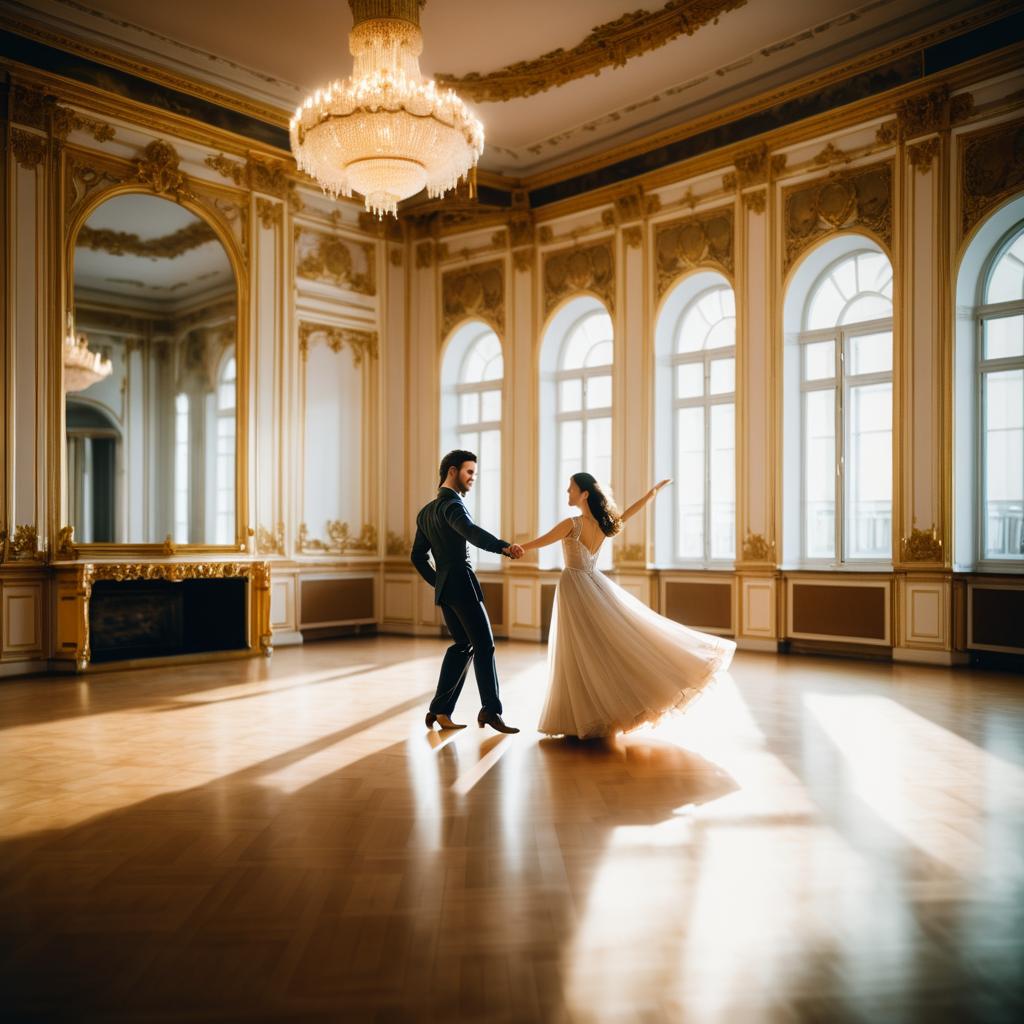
608,46
125,243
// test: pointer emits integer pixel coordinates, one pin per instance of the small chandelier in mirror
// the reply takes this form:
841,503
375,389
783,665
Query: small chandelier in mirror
82,366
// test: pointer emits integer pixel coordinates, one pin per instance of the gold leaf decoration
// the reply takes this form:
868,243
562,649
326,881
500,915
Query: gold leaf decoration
607,45
703,240
124,243
259,572
269,212
581,269
227,168
633,236
922,545
25,542
756,200
66,543
322,257
340,539
397,544
476,291
991,170
524,259
846,199
922,154
28,148
932,111
757,549
158,168
270,543
630,554
362,343
64,121
424,255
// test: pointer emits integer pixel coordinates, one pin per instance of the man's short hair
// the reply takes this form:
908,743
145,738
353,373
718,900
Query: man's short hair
456,459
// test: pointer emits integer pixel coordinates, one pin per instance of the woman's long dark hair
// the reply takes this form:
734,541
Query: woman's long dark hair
602,506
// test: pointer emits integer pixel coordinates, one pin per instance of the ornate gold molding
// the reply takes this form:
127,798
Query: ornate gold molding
269,212
121,243
64,121
754,167
588,268
340,540
756,200
703,240
607,45
757,549
633,236
362,343
158,169
35,108
846,199
922,154
476,291
524,259
886,134
424,255
24,543
273,178
932,111
270,543
65,548
330,258
259,572
991,170
227,168
397,544
395,255
28,148
922,545
630,554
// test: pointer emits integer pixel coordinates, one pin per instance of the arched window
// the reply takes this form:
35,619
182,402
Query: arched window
225,466
839,398
472,375
999,375
696,440
576,407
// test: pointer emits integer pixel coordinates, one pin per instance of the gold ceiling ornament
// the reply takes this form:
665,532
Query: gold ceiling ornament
607,46
922,545
28,148
922,154
860,198
757,549
702,241
362,343
126,243
474,292
588,268
386,132
991,170
322,257
158,168
64,121
82,366
340,540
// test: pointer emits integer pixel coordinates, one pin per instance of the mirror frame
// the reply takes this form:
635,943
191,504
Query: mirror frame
189,194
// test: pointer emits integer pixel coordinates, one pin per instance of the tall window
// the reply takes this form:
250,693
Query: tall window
704,389
472,377
225,482
181,469
845,374
1000,402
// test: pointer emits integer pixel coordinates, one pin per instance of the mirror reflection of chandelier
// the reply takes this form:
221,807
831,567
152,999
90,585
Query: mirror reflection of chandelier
386,132
82,366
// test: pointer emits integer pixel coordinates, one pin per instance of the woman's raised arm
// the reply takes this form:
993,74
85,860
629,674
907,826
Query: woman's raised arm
637,505
556,533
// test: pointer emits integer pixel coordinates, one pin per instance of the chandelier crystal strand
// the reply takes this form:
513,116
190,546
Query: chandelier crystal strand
386,132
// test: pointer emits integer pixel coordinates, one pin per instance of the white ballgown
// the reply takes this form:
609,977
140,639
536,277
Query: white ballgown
613,664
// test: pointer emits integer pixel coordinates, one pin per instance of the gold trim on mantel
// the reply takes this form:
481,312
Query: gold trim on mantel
607,46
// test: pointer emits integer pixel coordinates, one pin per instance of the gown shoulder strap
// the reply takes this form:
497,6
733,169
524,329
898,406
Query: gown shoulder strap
577,527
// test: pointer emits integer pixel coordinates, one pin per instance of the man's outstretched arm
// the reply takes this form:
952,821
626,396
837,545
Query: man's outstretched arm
459,520
419,557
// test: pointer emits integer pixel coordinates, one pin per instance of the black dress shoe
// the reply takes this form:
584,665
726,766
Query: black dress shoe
443,721
493,719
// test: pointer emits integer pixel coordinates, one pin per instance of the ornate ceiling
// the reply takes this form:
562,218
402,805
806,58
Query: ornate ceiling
552,82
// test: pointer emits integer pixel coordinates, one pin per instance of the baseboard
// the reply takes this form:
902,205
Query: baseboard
286,637
752,643
23,668
924,657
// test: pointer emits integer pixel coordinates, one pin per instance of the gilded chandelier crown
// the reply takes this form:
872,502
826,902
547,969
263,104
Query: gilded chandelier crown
385,132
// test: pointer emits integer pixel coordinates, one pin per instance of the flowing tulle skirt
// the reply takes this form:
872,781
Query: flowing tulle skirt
613,664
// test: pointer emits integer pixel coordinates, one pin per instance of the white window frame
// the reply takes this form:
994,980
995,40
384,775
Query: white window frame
223,510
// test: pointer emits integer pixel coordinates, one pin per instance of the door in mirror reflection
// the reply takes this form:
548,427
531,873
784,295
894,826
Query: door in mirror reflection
151,378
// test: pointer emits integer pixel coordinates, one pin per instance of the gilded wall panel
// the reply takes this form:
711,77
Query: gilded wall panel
701,241
335,260
476,291
588,268
860,198
991,170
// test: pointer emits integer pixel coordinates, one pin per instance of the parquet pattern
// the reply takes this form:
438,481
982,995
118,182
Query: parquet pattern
814,841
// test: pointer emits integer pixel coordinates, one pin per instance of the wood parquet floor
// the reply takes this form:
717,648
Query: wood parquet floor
814,841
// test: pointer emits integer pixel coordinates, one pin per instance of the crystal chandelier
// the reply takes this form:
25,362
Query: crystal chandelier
82,366
386,132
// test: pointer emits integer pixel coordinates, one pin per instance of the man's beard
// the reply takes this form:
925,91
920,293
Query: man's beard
462,488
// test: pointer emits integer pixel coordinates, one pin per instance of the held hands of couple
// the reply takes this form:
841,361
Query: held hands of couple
513,551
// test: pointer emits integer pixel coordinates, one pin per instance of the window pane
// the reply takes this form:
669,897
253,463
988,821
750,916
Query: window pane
570,395
1007,281
723,376
689,487
599,449
570,448
819,474
599,393
826,306
722,335
600,354
1004,337
692,331
867,307
690,380
469,408
494,369
870,353
723,481
1003,418
490,406
820,360
472,367
868,532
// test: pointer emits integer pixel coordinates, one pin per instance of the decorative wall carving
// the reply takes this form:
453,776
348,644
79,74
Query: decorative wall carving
629,554
424,255
932,111
608,45
922,154
259,572
476,291
887,133
340,539
65,548
991,170
756,200
269,212
524,259
922,545
272,177
158,169
121,243
24,542
755,167
395,256
757,549
28,148
362,343
704,240
64,121
330,258
633,236
30,106
846,199
270,543
397,544
226,168
588,268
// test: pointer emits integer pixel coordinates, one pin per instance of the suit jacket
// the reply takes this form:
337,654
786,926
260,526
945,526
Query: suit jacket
443,526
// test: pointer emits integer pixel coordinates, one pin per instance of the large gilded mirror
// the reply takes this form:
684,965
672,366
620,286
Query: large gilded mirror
151,376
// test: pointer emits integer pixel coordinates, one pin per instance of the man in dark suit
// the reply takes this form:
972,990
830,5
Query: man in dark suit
443,527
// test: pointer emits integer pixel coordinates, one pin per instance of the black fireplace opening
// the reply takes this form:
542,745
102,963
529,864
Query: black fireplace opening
157,618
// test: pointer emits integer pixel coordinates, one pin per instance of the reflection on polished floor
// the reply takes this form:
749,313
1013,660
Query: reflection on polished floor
816,840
